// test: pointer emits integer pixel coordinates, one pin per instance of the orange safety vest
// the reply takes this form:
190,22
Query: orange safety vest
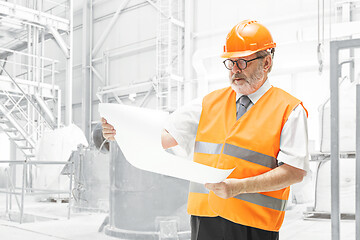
250,145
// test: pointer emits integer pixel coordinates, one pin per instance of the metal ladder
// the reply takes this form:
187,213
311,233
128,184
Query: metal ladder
169,47
15,120
23,117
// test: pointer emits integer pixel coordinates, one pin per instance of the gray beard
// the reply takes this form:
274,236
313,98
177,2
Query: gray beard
254,81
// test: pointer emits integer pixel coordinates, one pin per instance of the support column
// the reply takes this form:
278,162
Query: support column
69,71
188,50
86,68
335,155
357,199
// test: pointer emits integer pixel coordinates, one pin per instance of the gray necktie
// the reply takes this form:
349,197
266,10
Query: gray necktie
243,103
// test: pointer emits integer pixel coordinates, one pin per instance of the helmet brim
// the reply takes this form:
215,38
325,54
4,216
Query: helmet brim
245,53
237,54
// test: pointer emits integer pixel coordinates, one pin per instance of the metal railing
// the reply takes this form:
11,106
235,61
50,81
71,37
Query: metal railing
335,68
12,190
58,8
24,63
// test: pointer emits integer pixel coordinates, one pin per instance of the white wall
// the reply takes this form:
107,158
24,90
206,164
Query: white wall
293,25
5,147
294,28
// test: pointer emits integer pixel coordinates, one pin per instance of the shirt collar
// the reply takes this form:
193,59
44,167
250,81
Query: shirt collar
255,96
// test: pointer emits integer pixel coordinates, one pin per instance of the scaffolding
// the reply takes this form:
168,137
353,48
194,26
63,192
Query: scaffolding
30,101
169,44
169,52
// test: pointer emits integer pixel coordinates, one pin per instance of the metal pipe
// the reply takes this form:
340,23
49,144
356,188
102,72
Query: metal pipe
27,54
334,115
91,90
7,189
113,154
357,212
70,190
23,192
69,71
12,168
44,192
58,108
86,70
42,54
33,162
15,63
169,62
105,98
12,189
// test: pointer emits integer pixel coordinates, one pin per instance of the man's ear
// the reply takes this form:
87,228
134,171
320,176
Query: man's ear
267,63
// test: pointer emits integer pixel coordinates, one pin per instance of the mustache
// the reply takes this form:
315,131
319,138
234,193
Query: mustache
238,75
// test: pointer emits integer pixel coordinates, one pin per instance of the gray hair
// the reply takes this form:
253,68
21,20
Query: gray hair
265,53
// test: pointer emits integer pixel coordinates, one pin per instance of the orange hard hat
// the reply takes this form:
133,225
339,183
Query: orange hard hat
246,38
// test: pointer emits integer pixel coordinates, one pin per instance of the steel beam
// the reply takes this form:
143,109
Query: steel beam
113,53
120,90
60,41
97,74
142,103
109,27
86,68
32,16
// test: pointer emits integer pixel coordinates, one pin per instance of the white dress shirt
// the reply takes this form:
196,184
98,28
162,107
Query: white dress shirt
183,123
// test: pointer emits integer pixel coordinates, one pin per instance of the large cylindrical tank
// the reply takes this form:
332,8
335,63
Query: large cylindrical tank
347,186
145,205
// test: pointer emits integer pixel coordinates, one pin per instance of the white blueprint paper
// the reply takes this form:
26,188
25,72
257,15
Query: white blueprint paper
138,134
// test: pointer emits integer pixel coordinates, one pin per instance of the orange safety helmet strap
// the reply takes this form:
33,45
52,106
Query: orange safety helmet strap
246,38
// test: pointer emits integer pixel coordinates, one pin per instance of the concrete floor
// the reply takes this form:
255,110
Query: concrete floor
80,226
84,226
295,228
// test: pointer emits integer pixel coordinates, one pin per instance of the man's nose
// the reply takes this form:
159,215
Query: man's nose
235,69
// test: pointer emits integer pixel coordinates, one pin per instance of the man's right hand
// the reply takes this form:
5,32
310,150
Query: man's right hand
108,130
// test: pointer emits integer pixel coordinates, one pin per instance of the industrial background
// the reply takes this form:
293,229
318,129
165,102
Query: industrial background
60,59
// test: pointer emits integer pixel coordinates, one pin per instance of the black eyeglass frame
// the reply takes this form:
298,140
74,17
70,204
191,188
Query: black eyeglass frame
236,62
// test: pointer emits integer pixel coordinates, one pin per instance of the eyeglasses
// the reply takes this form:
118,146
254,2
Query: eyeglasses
241,63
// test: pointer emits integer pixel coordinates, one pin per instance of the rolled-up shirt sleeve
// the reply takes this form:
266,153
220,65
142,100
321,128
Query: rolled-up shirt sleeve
294,140
183,123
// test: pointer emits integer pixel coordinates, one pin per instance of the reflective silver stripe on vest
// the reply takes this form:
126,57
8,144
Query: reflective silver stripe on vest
263,200
250,156
206,147
256,198
198,188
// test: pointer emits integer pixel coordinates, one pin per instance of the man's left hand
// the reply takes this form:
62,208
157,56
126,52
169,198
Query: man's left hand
226,189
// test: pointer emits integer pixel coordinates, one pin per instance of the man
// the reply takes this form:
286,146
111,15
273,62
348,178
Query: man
259,130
